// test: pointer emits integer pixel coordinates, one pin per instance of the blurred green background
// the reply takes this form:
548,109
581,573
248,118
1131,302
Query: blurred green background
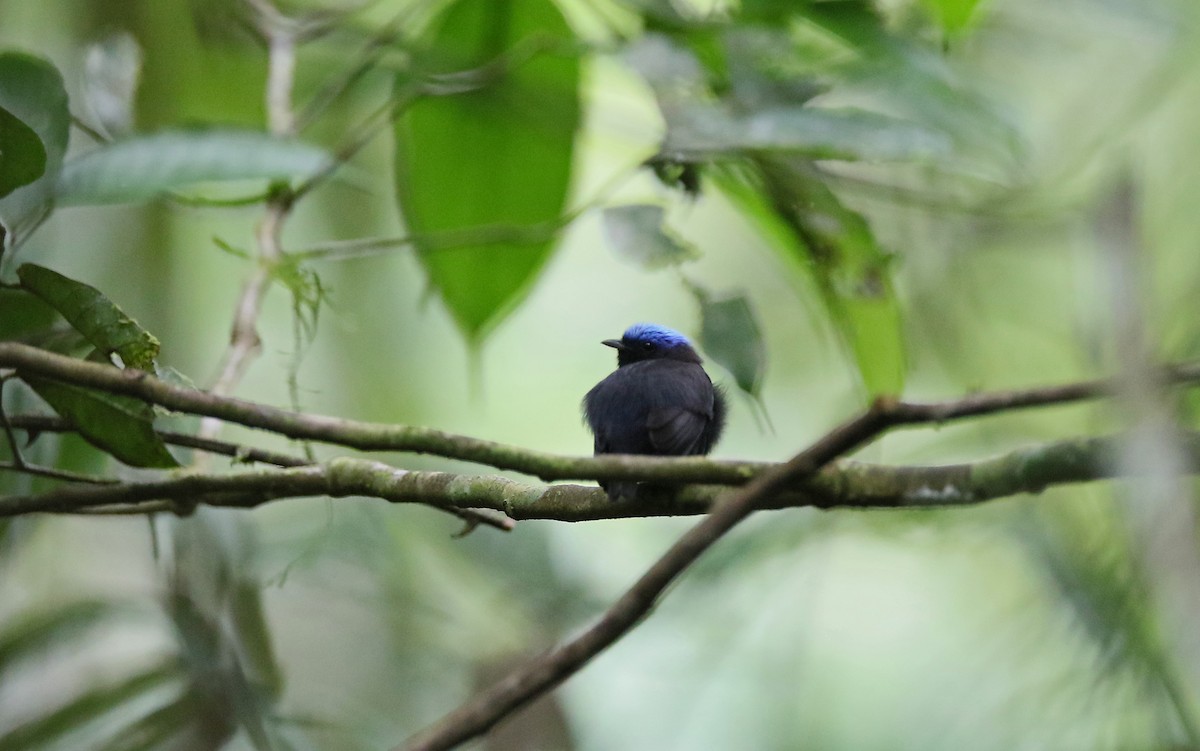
1034,622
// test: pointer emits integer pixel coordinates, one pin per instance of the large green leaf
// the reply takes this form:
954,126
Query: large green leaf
121,425
496,154
31,90
821,237
92,314
22,155
142,167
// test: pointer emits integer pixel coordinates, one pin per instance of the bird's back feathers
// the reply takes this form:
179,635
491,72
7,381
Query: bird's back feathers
663,407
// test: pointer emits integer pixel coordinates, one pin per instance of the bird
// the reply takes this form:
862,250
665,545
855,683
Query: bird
659,401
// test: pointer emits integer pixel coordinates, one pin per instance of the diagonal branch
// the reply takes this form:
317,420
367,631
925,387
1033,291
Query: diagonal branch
543,673
528,682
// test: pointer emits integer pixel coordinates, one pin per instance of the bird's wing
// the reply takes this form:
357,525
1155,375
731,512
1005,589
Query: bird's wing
675,431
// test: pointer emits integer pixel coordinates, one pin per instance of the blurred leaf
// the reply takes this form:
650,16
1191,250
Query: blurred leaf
159,726
848,134
31,90
204,61
675,173
636,233
730,335
1084,552
254,638
22,155
916,81
874,326
121,425
671,68
92,314
88,707
22,313
216,608
29,635
499,154
142,167
953,15
222,688
112,67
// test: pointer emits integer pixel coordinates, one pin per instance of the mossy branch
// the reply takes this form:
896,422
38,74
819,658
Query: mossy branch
845,484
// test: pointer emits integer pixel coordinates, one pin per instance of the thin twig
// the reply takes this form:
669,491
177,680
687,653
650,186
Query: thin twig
237,451
485,234
281,35
13,446
26,468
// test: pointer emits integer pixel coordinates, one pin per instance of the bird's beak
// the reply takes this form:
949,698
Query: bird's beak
616,344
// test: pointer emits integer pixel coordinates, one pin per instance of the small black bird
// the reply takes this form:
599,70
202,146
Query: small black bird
658,401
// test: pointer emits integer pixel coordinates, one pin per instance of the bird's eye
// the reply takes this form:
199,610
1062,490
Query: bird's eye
647,346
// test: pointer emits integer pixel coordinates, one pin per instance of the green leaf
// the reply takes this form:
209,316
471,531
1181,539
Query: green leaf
832,244
22,314
22,155
497,155
637,234
730,335
31,91
142,167
875,329
121,425
92,314
112,69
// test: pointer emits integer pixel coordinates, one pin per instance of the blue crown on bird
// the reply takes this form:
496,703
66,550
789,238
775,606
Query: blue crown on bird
652,332
647,341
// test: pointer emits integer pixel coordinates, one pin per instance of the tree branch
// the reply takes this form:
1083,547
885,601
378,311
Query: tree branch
543,673
844,484
540,675
366,436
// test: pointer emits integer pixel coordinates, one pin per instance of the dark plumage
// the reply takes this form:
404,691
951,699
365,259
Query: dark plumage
658,401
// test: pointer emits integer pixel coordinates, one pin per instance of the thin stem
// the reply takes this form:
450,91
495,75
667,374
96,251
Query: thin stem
26,468
281,36
239,452
17,458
